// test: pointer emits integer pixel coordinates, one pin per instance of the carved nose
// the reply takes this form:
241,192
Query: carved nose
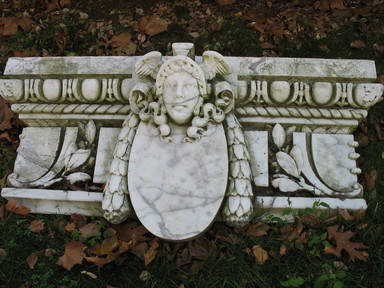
179,91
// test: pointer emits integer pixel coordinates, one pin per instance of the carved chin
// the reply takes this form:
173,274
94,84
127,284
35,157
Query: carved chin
180,117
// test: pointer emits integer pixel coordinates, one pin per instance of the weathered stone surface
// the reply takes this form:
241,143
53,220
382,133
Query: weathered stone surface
177,189
105,148
258,149
231,128
47,201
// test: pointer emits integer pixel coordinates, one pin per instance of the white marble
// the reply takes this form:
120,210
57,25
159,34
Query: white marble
257,142
298,116
275,206
176,189
47,201
72,65
105,148
306,68
121,65
332,160
36,153
331,156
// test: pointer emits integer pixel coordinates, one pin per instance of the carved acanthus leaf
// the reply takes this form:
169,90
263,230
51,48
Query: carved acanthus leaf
278,136
297,155
78,177
287,163
78,159
286,185
90,132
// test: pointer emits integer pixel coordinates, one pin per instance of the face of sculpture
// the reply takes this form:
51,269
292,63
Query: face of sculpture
180,95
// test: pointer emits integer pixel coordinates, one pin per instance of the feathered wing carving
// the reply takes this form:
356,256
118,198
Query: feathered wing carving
115,203
214,63
238,206
149,64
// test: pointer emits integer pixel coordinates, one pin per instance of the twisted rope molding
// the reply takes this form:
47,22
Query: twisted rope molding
302,112
71,108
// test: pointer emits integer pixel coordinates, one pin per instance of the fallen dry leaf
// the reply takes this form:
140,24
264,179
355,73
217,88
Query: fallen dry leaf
127,231
218,24
358,44
260,254
225,2
379,49
19,210
105,247
70,227
268,45
145,275
310,220
6,114
194,35
9,26
49,252
32,259
322,5
26,53
370,179
79,220
73,255
120,40
343,243
258,229
139,250
345,214
337,4
4,135
123,45
150,255
90,230
36,226
151,25
283,249
2,212
51,233
200,248
125,246
3,252
183,258
101,261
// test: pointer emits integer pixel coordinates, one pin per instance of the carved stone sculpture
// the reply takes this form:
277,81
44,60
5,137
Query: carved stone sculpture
171,160
181,141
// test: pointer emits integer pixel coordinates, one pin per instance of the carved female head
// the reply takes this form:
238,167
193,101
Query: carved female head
181,90
180,86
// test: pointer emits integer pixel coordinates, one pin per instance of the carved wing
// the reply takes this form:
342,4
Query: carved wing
115,203
149,64
214,63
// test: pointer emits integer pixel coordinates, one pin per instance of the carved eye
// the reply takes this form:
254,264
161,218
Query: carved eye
190,83
170,85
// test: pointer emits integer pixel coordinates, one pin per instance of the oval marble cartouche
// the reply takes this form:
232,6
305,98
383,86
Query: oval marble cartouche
176,189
